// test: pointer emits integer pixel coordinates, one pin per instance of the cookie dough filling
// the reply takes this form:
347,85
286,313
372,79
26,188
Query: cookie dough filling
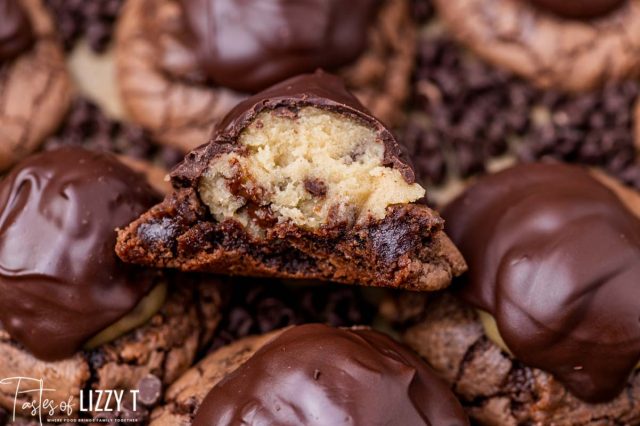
299,181
311,167
143,312
554,258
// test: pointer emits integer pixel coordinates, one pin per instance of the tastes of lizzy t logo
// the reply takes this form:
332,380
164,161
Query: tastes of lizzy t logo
31,398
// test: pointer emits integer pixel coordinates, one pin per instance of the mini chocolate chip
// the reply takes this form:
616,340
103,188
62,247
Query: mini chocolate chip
86,125
150,387
315,187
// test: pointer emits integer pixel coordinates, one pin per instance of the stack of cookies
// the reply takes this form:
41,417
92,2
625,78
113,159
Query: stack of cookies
319,212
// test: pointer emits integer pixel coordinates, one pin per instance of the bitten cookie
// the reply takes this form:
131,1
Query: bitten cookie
311,374
35,90
545,326
72,313
299,181
570,45
183,64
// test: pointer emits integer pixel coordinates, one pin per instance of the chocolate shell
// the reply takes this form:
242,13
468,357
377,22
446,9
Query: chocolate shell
315,374
60,279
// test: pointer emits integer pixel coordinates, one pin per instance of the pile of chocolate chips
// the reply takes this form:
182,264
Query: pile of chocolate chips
467,112
593,128
93,19
260,307
86,125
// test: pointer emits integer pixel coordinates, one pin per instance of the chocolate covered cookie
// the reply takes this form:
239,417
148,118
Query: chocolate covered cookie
299,181
35,89
570,45
311,374
544,327
183,64
71,312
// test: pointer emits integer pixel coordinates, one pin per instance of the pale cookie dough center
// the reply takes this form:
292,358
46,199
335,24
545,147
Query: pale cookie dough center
144,310
312,167
491,331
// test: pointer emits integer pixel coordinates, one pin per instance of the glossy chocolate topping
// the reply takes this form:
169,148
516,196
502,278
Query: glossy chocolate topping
60,280
320,90
16,33
578,9
554,256
318,375
248,45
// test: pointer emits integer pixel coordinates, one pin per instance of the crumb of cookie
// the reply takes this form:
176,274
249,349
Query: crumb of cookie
242,203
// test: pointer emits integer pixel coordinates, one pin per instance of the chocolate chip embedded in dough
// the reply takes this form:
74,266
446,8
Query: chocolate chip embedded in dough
150,387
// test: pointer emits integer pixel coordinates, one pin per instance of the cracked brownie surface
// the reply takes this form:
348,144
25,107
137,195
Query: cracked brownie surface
548,49
164,348
298,182
495,388
35,89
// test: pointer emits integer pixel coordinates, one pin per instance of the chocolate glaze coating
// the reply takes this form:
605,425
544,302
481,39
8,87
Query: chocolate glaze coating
60,280
320,90
252,44
316,374
16,32
554,256
578,9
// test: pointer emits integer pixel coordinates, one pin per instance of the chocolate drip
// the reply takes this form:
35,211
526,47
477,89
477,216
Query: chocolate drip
554,256
60,280
315,374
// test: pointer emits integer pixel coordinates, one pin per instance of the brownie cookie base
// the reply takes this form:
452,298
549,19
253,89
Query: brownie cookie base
184,397
35,90
180,109
407,249
164,347
498,390
550,51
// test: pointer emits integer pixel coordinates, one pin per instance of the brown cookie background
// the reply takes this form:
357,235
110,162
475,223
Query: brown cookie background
549,50
35,90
